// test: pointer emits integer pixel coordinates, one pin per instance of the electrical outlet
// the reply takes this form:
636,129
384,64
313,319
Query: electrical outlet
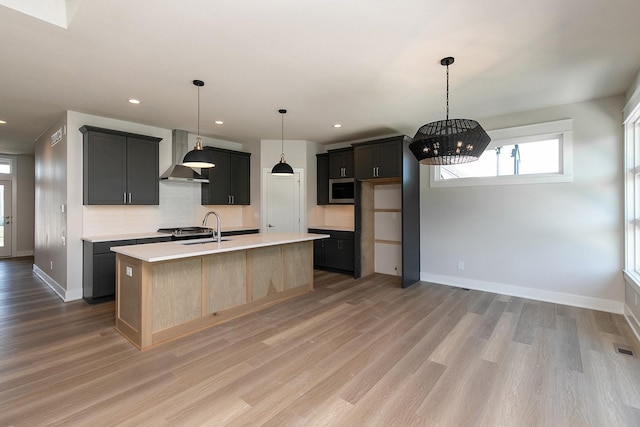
460,265
129,271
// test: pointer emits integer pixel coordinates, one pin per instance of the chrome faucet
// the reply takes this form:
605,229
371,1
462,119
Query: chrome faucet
217,233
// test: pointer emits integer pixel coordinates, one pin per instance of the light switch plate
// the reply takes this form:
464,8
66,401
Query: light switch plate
129,271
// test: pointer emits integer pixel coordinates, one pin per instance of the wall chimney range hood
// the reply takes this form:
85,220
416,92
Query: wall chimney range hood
177,172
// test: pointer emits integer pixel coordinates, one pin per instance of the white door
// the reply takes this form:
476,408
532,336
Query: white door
283,200
5,218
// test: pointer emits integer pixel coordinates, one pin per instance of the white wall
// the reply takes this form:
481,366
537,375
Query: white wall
558,242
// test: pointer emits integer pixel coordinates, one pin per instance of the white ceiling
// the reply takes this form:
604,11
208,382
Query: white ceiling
373,66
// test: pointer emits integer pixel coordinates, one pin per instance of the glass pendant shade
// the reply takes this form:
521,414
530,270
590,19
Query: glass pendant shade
198,158
282,168
450,141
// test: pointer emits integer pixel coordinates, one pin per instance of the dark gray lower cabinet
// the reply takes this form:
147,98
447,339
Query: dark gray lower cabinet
335,253
99,268
99,265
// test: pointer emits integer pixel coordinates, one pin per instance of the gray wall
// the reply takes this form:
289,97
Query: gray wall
560,242
25,205
50,255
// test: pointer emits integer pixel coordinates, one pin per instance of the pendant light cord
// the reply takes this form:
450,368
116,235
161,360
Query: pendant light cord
447,91
282,133
199,109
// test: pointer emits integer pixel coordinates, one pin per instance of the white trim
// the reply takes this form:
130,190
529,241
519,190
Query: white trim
632,278
499,137
498,180
632,321
632,107
23,253
536,129
610,306
64,294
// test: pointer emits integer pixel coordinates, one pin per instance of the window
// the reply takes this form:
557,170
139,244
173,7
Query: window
632,192
537,153
5,166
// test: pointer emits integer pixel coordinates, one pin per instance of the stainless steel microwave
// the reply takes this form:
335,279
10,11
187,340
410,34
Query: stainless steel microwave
341,190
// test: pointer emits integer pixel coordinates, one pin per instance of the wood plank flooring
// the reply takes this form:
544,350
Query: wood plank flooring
353,353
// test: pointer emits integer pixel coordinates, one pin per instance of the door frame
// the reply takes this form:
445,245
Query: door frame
266,172
8,183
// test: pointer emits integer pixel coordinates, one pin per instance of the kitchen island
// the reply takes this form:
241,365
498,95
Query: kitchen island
168,290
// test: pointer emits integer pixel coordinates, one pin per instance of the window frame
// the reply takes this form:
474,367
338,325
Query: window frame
7,161
561,129
632,195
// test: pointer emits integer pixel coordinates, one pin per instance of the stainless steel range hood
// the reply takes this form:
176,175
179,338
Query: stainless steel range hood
177,172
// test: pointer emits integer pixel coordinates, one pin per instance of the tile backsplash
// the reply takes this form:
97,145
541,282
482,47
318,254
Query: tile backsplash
179,207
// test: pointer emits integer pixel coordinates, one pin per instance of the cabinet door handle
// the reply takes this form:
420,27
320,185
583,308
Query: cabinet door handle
129,198
124,198
374,171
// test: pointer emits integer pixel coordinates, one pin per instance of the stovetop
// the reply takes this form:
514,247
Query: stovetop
187,231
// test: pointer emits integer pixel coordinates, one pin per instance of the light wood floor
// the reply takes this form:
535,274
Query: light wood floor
352,353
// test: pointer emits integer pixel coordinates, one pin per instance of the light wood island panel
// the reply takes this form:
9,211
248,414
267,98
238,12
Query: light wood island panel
160,301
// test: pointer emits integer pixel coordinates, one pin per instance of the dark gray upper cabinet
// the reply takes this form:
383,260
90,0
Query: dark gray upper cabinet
323,179
341,163
229,180
120,168
379,159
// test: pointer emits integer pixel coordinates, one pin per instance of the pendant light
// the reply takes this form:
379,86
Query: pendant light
282,168
449,142
198,158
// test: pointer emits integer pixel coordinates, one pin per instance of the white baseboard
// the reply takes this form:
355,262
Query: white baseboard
65,295
24,253
600,304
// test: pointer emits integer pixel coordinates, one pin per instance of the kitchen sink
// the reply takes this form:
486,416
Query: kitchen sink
203,242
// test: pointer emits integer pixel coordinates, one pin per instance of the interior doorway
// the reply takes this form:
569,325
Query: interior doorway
283,202
5,218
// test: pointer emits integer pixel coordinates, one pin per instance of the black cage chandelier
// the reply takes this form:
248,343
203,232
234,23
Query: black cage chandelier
449,142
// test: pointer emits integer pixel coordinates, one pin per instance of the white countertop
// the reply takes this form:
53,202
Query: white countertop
166,251
127,236
147,235
331,227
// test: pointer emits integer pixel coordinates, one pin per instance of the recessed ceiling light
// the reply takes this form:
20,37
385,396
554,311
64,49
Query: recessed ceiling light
337,125
2,122
134,101
219,122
